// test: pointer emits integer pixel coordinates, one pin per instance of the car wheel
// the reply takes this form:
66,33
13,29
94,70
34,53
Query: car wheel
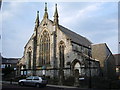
38,85
21,83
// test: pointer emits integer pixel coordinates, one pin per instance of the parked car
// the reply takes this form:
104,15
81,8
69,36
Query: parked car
33,81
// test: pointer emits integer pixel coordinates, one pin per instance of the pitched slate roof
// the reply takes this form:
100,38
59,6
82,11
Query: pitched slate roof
10,60
117,59
75,37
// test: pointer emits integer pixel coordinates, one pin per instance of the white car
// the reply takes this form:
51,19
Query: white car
33,81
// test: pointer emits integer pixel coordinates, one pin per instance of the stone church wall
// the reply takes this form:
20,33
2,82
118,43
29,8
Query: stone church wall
68,47
29,44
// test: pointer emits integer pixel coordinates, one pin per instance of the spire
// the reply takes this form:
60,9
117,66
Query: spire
37,19
56,15
45,14
56,12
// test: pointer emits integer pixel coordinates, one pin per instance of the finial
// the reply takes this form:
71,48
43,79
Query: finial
45,14
56,16
37,19
56,5
56,12
45,6
38,14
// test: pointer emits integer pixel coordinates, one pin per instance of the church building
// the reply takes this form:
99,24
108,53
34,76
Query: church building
56,51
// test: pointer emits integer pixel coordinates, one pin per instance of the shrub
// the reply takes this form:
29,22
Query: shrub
69,81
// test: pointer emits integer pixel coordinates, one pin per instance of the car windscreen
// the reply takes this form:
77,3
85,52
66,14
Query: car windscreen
29,78
36,78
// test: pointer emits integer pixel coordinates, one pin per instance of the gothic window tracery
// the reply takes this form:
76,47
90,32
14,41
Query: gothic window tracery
44,48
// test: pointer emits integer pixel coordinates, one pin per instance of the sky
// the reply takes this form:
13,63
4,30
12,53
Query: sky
97,21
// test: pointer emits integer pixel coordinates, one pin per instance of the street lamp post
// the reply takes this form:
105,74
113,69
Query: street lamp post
89,54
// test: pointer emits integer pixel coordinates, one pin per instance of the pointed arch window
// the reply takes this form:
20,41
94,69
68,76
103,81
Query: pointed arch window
61,54
29,57
44,49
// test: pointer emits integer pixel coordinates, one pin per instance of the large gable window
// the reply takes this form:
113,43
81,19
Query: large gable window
44,48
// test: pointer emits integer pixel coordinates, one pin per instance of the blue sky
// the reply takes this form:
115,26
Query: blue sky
97,21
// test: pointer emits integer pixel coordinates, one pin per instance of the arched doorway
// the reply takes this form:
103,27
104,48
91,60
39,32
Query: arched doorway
76,65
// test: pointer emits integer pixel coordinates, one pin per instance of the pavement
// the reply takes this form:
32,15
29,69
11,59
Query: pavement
58,86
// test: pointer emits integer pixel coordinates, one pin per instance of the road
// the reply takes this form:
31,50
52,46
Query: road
17,87
6,86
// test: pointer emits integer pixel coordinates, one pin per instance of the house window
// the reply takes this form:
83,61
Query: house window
3,66
61,54
44,49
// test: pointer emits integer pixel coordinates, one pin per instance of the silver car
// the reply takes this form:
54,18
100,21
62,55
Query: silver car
33,81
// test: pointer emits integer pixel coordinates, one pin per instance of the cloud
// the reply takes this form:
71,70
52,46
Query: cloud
112,43
97,21
13,45
112,21
89,9
80,14
9,10
15,29
18,27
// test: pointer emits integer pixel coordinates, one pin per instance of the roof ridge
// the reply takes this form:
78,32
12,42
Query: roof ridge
71,31
75,36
